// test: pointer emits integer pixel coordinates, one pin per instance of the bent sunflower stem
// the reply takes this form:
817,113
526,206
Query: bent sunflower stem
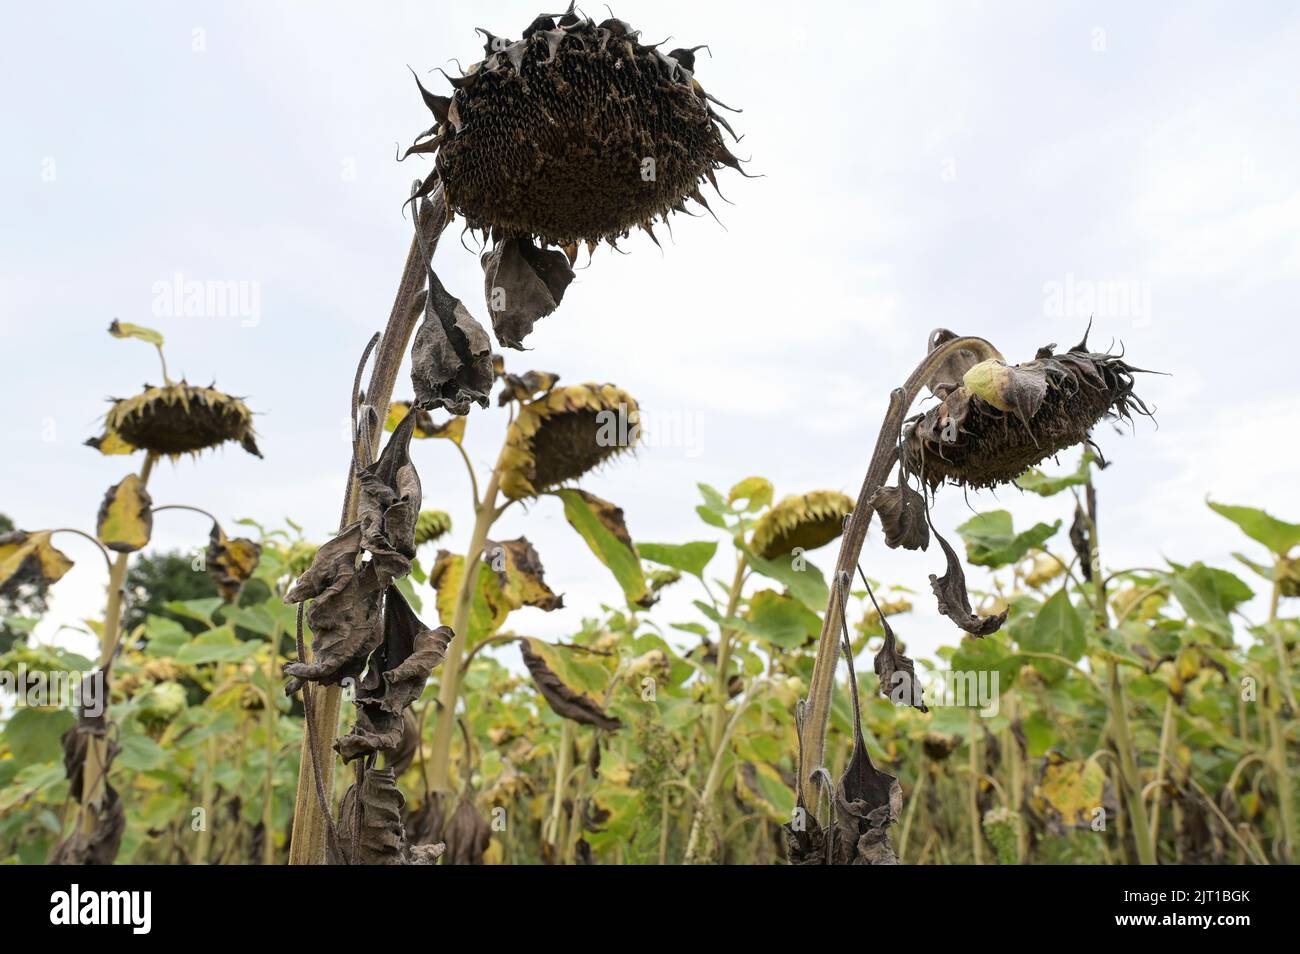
822,685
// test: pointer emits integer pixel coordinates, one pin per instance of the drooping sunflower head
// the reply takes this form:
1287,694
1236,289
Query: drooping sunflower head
1003,419
565,433
802,521
431,525
177,419
576,132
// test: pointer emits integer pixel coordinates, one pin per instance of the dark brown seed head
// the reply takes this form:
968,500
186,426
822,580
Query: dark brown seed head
1003,420
575,133
180,419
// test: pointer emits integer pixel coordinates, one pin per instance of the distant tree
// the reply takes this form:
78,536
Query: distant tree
28,602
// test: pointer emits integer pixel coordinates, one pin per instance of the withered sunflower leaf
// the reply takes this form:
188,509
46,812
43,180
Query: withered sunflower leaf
897,672
563,699
125,520
381,837
230,562
522,283
396,675
389,505
519,570
30,558
451,358
344,614
902,514
954,601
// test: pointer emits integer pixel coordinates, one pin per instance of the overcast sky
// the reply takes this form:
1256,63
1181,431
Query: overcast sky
981,166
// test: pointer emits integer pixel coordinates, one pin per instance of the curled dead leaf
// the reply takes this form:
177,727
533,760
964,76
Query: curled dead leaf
522,283
230,562
563,699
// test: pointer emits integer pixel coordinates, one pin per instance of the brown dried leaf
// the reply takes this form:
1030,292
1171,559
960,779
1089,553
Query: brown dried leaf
30,558
467,834
902,514
564,700
519,570
230,562
380,837
522,283
897,672
525,387
954,601
344,614
451,359
396,675
389,506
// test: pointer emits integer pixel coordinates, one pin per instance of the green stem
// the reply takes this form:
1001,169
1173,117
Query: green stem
453,668
973,790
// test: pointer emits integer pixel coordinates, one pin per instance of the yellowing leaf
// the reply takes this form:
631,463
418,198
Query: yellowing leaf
122,329
30,558
125,520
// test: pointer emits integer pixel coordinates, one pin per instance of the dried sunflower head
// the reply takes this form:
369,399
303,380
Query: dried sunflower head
431,525
803,521
177,419
564,434
576,132
1003,419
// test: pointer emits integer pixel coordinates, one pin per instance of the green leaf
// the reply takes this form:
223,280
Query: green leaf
165,636
1208,595
141,753
216,645
35,735
1035,481
200,609
1275,534
609,549
779,620
755,491
711,518
992,541
804,581
688,557
1058,628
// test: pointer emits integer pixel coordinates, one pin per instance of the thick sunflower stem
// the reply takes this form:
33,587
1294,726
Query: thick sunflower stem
307,843
822,686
